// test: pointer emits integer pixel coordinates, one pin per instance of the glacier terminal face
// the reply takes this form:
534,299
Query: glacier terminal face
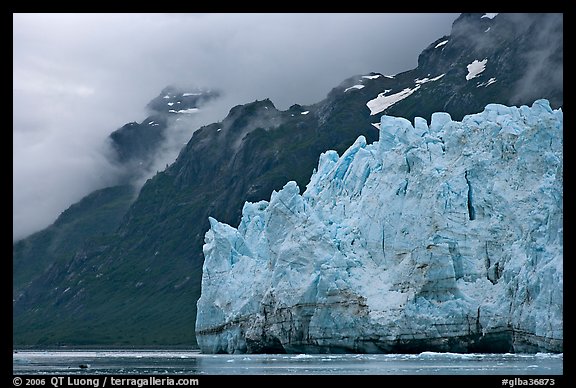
445,236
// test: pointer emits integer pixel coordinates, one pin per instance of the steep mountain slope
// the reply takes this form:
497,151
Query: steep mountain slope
138,284
96,214
88,223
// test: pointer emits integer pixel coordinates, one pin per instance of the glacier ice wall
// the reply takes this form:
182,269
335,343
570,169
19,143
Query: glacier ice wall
442,237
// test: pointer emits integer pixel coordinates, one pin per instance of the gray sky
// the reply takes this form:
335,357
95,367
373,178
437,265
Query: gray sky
78,77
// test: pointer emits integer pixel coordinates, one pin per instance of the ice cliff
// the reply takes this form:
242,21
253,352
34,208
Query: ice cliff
440,237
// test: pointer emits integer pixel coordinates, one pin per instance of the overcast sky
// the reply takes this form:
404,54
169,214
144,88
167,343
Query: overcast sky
78,77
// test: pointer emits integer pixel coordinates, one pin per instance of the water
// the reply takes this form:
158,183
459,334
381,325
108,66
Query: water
170,362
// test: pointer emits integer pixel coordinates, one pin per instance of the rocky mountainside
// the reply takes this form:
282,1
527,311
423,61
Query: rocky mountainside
137,282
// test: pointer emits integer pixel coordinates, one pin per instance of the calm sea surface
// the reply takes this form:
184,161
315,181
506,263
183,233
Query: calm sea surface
157,362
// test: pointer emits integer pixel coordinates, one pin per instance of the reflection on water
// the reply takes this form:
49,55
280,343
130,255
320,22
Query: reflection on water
194,363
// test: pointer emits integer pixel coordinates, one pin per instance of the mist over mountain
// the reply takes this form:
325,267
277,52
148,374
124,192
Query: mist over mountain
79,76
142,149
124,267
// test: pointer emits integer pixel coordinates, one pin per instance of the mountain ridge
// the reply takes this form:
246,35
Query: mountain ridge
138,283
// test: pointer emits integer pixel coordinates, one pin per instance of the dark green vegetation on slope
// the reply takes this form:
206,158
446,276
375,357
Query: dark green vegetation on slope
157,279
132,275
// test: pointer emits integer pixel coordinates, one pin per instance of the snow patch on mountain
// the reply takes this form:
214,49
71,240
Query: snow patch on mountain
353,87
187,111
424,80
475,68
383,102
441,43
487,83
489,15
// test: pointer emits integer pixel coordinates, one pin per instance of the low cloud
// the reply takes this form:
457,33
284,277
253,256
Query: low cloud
79,77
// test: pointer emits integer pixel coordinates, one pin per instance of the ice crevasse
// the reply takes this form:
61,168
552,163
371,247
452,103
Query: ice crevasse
445,236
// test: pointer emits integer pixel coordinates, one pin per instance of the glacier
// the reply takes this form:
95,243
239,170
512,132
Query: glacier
443,237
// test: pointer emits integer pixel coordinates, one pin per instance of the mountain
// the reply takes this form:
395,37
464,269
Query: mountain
445,238
88,224
138,283
137,145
